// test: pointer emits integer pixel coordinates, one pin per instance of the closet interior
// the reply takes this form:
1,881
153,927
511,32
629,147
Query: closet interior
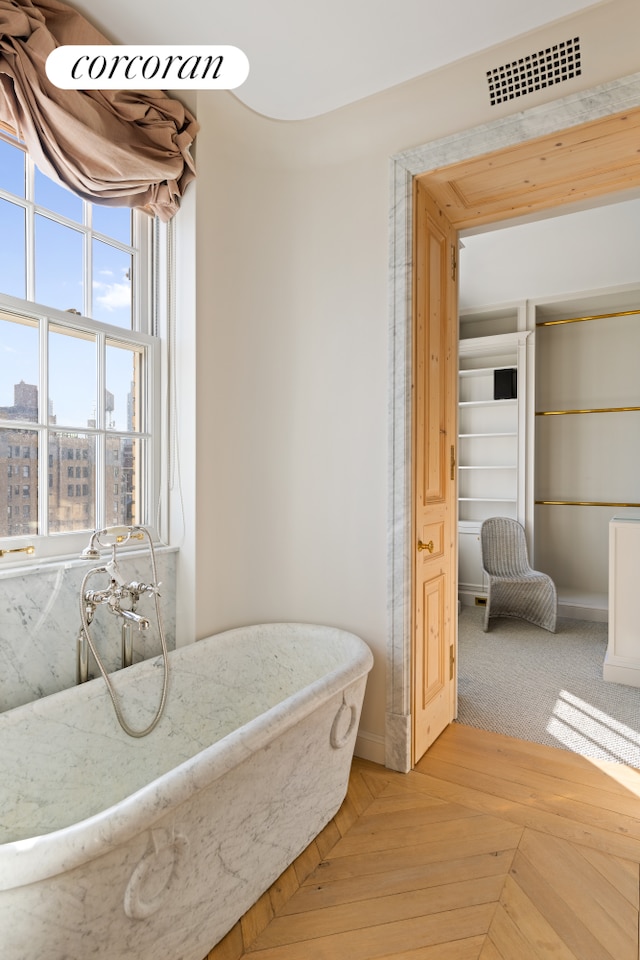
549,433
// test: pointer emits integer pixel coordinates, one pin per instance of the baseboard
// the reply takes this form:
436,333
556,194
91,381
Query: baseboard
370,746
575,608
621,670
580,611
468,598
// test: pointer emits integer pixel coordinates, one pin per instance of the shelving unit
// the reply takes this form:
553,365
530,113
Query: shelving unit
488,431
491,435
587,439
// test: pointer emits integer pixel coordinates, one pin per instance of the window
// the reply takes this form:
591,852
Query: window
76,319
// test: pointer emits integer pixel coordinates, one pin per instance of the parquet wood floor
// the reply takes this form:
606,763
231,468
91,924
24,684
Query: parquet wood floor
491,849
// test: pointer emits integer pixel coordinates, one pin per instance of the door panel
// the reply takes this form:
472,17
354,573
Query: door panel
435,495
433,679
433,540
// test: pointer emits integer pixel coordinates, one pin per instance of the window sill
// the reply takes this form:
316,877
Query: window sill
69,562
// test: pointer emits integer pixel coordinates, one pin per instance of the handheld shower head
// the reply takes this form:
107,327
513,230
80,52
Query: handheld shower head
91,551
109,538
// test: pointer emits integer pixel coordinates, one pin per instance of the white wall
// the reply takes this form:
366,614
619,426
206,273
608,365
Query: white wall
291,451
578,251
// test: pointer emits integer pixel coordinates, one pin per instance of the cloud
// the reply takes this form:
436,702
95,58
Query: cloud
112,296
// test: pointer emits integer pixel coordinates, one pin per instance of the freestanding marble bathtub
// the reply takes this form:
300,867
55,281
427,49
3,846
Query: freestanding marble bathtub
116,848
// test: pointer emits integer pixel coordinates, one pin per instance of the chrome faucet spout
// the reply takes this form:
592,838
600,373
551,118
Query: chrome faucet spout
143,623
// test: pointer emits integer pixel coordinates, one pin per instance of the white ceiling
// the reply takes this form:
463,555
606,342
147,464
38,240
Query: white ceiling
306,59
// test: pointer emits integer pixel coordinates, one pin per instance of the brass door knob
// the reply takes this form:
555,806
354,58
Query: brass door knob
425,546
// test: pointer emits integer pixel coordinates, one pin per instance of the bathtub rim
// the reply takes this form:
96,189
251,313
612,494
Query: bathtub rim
40,857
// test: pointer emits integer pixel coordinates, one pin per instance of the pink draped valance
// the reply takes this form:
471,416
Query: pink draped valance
114,147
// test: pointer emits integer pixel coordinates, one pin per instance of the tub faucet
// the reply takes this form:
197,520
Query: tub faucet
112,597
131,615
118,588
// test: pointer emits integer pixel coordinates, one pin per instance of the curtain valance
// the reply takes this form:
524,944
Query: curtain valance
113,147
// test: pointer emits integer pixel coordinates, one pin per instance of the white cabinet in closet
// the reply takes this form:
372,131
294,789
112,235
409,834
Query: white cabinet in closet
622,660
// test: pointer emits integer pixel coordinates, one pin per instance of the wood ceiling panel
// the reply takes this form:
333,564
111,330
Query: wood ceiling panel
582,163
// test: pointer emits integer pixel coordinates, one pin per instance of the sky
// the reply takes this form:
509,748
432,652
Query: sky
58,283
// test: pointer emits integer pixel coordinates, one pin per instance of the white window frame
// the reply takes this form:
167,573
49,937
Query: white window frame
148,311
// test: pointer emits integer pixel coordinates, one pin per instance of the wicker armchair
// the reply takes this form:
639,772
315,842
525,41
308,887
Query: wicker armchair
515,589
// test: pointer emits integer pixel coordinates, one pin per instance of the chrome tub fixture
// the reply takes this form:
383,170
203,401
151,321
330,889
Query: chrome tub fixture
118,592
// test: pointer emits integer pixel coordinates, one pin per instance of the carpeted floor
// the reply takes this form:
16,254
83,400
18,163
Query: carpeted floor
522,681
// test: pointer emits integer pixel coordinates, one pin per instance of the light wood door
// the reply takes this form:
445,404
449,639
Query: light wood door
435,487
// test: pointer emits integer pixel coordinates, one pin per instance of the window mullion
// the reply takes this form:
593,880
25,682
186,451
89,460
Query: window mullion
43,429
30,230
88,260
101,451
142,280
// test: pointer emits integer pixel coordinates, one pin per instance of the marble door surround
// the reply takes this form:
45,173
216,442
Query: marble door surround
605,100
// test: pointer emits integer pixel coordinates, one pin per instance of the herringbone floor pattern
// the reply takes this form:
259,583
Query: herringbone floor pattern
492,849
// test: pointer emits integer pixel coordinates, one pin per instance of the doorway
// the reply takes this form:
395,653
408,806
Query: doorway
577,149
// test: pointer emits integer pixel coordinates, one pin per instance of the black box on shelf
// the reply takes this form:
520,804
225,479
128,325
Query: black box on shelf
505,384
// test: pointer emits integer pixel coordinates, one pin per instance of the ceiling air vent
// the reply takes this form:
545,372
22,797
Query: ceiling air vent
535,72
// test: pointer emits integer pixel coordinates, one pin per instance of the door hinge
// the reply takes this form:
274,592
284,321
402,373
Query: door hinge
452,661
454,262
452,462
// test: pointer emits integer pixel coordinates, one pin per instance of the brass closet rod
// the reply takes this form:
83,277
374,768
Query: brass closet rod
562,413
584,503
556,413
596,316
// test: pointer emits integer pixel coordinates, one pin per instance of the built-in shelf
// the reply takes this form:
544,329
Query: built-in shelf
490,436
463,436
488,499
474,371
486,403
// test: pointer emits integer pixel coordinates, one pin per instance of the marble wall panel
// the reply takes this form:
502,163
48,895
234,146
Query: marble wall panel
40,621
